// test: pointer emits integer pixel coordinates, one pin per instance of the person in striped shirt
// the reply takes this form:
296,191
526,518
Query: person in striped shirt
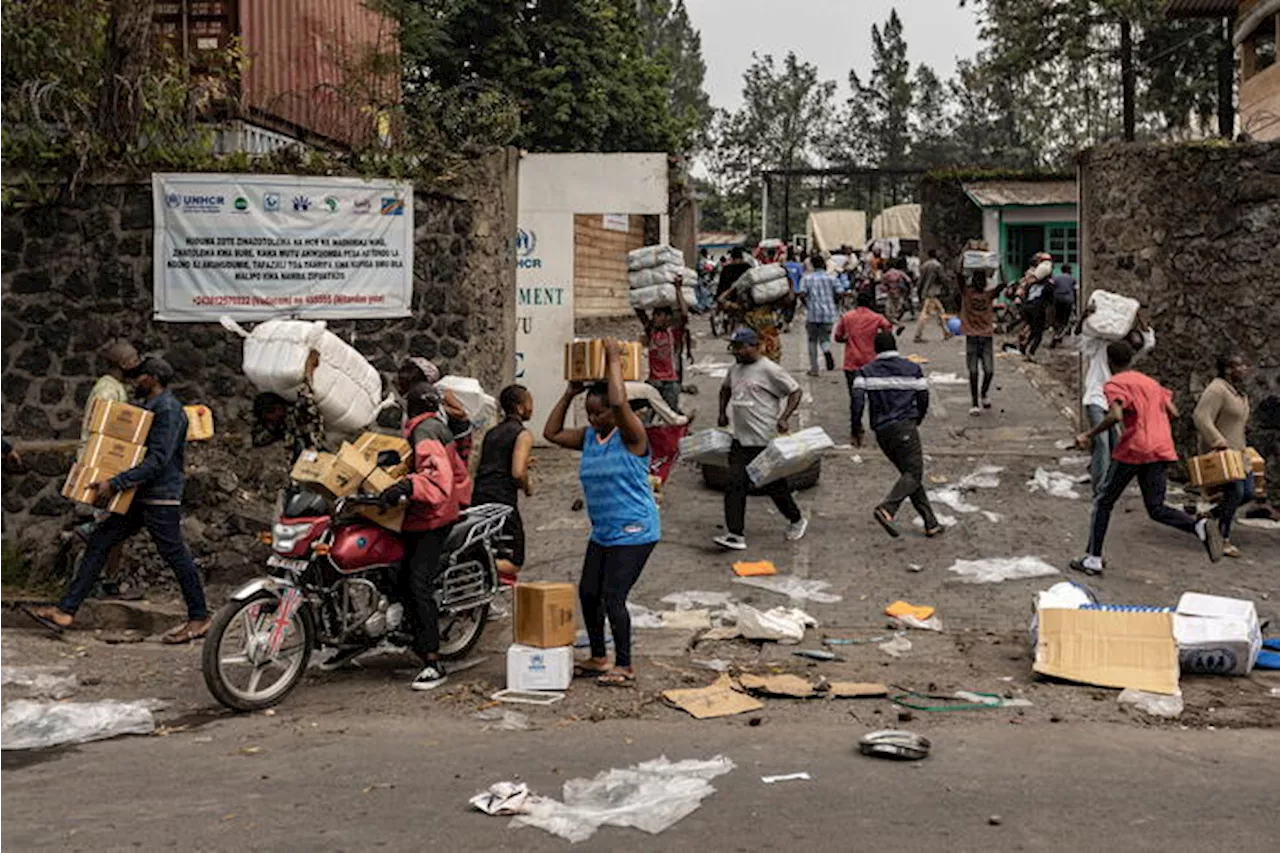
818,289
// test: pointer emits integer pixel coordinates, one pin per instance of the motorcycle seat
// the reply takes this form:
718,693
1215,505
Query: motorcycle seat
459,533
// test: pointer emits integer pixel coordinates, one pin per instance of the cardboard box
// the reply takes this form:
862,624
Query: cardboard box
372,443
584,360
544,614
111,454
1216,468
119,420
1216,635
1108,648
530,668
77,489
199,422
340,474
379,480
1253,460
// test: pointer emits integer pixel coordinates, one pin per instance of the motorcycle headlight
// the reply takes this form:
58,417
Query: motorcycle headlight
284,537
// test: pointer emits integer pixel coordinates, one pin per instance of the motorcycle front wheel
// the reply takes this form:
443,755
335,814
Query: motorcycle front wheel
238,668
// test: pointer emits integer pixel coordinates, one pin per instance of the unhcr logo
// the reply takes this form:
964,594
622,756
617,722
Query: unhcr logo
526,244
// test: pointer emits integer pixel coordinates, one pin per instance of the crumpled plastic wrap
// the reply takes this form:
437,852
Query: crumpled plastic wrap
996,569
792,587
36,725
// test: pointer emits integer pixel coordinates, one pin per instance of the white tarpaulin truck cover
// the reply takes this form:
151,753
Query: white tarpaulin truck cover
901,221
828,230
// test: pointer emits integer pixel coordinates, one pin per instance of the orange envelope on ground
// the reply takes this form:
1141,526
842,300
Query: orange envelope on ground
902,608
744,569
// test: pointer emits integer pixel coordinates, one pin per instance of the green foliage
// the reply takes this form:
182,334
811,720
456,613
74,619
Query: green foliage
881,107
668,35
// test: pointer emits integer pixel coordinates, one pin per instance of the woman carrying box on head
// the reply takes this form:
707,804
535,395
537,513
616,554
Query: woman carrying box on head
624,516
1220,418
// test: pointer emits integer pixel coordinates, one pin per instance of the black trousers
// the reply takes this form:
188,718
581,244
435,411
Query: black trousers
1037,314
418,587
735,496
900,441
1151,479
608,573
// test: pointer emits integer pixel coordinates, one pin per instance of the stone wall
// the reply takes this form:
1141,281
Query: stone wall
1193,231
79,273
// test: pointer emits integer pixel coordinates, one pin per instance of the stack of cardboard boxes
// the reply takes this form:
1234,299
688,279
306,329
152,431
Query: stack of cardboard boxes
541,658
354,469
584,361
116,435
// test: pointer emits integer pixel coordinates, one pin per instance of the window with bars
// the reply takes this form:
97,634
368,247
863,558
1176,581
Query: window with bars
1063,244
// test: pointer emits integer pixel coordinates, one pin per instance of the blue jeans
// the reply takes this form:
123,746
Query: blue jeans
1102,444
1234,495
819,338
163,522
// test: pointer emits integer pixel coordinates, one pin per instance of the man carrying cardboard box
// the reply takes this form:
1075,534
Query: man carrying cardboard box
157,506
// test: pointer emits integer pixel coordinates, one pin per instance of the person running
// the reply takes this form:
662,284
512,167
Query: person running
1221,416
614,473
1145,448
506,462
1037,307
818,289
437,487
857,331
763,397
1064,303
931,297
897,289
899,401
978,325
1142,338
157,506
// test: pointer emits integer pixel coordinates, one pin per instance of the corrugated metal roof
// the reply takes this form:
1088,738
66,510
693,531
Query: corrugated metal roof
1021,193
1200,8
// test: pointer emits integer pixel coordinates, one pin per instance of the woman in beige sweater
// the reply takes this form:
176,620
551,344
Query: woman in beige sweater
1220,418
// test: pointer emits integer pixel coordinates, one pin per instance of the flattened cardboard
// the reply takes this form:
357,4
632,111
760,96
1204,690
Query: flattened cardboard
777,685
856,689
1109,648
717,699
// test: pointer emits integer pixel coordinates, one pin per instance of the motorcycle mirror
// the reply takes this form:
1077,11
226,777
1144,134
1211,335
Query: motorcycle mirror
387,458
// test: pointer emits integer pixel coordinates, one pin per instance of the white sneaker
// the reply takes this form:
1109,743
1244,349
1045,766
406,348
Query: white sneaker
431,677
732,541
795,530
975,411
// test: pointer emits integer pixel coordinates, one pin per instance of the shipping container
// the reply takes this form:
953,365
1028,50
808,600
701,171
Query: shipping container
306,62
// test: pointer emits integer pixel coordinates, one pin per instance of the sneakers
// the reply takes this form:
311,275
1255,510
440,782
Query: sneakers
1089,565
830,360
975,411
986,404
1211,537
885,520
731,541
431,677
796,529
341,658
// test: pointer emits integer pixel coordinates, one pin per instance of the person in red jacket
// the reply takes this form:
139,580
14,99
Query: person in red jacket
437,487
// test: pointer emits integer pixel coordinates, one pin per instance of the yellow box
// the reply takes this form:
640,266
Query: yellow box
119,420
1254,461
373,443
77,489
339,473
199,422
1216,468
111,454
584,360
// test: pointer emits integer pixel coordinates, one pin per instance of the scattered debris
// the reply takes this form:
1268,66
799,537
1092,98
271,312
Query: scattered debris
856,689
790,777
953,497
793,587
1059,484
41,682
1107,648
528,697
816,654
1156,704
856,459
1074,461
997,569
992,700
718,699
993,517
650,796
947,379
849,641
643,617
920,616
1260,523
961,700
695,599
783,624
915,567
777,685
746,569
984,477
895,744
35,725
943,519
498,719
695,620
995,820
896,647
713,664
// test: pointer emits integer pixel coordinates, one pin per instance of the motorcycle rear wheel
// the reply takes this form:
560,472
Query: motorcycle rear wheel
460,632
233,661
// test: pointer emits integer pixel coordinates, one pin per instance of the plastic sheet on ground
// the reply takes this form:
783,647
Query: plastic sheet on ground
688,620
953,497
799,589
996,569
497,719
1059,484
650,796
1074,461
984,477
943,519
695,599
896,647
40,682
783,624
36,725
643,617
947,379
1155,704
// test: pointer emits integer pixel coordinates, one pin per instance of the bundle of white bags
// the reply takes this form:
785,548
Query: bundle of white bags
709,446
981,260
788,454
653,273
1113,315
766,283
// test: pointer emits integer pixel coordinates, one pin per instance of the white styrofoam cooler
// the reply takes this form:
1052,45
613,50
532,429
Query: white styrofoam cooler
1216,635
532,668
348,389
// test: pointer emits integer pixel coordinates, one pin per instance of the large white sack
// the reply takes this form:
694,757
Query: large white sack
1043,270
348,390
665,274
654,256
659,296
759,275
765,292
1113,316
979,260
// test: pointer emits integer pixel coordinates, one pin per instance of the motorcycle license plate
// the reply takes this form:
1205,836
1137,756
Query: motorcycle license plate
286,563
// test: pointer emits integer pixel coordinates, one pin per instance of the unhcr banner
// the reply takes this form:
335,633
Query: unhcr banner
255,247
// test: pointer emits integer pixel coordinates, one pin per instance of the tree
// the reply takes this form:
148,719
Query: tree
932,141
880,108
126,59
668,35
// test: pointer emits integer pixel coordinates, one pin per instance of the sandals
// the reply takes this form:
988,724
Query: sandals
185,633
617,678
885,520
935,531
38,615
584,671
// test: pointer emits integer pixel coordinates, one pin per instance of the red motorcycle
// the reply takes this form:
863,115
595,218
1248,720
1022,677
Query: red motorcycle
332,584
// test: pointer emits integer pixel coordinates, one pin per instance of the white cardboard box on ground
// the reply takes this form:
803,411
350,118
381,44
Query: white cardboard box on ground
532,668
1216,635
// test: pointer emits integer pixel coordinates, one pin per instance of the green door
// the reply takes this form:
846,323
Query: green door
1021,242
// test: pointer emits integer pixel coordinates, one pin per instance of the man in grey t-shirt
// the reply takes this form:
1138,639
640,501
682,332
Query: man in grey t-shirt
763,398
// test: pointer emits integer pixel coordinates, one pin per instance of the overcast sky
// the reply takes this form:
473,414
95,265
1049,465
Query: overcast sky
835,35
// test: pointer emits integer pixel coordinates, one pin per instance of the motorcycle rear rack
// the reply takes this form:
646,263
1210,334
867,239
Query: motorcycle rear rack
465,586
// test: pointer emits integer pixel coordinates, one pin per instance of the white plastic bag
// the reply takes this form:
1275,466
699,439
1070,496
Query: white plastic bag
788,454
792,587
1156,704
770,291
36,725
654,256
481,408
996,569
782,624
42,682
1112,317
708,446
1043,270
1057,483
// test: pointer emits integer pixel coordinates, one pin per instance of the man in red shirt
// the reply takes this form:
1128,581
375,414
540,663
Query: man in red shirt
857,331
1144,407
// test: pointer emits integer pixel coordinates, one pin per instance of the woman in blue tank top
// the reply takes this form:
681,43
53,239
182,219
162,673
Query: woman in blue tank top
624,516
